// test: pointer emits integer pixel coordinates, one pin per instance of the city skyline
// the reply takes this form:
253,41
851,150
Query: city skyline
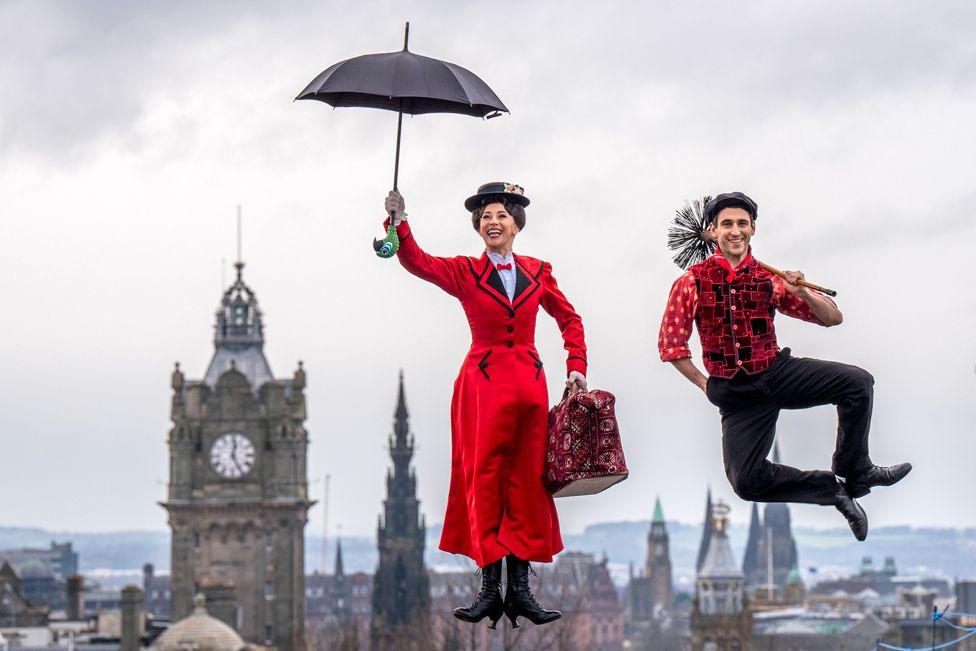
122,207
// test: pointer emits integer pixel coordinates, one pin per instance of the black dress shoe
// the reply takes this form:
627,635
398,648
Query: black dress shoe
519,601
489,601
852,511
861,485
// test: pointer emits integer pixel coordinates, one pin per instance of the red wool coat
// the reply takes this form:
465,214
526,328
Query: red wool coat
497,502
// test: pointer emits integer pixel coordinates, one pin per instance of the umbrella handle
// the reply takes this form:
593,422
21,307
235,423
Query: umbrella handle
822,290
387,247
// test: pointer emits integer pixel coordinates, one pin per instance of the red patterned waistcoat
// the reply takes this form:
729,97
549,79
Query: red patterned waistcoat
733,310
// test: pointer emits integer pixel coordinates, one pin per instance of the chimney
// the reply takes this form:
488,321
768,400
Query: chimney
75,609
131,619
221,601
148,573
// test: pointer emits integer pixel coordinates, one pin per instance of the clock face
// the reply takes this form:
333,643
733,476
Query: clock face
232,455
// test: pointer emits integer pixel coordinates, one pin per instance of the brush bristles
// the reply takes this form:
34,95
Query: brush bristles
685,235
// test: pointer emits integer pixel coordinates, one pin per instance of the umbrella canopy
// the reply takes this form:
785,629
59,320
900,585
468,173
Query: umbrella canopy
404,82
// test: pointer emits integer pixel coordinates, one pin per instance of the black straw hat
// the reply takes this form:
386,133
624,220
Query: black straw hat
730,200
497,191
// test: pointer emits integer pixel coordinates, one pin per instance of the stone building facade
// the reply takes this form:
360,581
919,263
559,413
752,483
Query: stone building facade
238,490
720,618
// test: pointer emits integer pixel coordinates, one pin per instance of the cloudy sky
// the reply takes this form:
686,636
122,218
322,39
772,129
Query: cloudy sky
129,132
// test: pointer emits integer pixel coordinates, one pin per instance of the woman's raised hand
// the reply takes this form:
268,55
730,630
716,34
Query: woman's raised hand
576,382
395,205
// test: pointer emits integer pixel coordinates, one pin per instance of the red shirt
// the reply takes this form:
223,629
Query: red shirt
733,310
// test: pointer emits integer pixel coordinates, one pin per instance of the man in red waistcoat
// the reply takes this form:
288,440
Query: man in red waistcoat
732,299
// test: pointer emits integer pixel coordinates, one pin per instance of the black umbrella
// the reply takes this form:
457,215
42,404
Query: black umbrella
406,83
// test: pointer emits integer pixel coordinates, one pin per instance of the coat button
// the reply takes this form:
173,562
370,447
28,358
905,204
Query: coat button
737,344
511,315
510,329
739,362
509,344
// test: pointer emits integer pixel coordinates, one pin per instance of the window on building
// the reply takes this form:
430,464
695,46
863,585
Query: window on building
268,590
268,634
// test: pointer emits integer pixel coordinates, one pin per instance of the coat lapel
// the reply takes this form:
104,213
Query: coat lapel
494,280
526,282
487,279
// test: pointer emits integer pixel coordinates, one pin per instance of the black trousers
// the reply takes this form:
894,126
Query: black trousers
750,405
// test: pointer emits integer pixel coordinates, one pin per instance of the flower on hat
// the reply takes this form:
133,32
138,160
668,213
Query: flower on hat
514,189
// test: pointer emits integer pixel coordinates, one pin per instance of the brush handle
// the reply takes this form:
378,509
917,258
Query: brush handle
774,270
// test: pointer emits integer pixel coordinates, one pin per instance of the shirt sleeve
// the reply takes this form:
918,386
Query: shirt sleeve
443,272
791,304
570,324
679,319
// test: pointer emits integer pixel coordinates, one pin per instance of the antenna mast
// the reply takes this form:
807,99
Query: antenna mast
325,528
239,232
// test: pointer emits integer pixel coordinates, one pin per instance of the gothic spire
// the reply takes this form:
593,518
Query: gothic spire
401,408
707,529
401,443
753,559
339,568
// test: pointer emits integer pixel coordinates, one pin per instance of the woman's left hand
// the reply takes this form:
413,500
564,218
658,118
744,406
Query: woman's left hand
576,382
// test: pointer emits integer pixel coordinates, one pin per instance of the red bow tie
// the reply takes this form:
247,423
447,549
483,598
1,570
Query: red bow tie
501,266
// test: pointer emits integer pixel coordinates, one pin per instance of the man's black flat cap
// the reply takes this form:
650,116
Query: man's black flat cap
730,200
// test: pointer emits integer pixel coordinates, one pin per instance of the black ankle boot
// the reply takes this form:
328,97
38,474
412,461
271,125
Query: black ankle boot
852,511
862,484
519,601
489,602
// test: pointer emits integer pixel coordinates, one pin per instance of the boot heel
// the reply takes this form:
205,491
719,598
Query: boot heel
514,620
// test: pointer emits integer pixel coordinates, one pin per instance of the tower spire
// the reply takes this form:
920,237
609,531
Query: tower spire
658,512
339,567
401,408
707,529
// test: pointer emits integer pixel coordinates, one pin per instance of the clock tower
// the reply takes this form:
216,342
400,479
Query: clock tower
238,490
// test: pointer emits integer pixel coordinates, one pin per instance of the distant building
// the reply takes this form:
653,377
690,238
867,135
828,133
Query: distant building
720,617
59,559
157,593
338,606
238,490
15,608
797,629
401,588
966,596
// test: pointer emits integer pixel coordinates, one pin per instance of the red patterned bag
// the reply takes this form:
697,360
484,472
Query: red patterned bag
584,455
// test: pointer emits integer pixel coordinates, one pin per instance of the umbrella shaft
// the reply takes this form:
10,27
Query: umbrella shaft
396,164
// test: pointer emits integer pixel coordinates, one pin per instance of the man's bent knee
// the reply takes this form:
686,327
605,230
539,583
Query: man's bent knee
749,487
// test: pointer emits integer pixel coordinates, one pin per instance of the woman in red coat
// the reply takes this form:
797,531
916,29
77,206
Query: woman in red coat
498,506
